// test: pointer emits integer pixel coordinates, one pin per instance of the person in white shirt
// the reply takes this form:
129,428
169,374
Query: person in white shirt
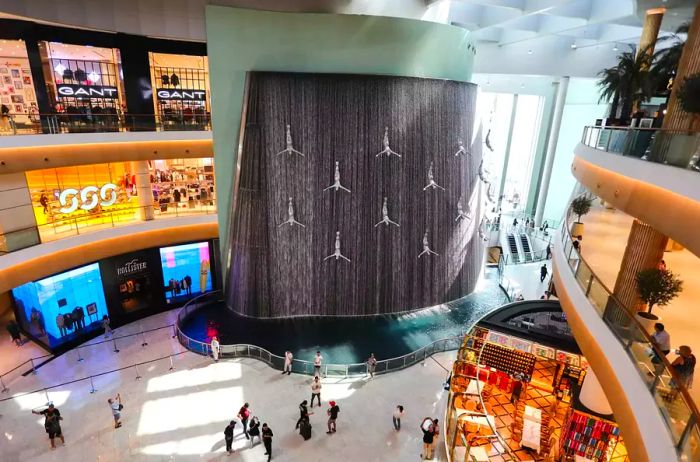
316,391
398,414
116,407
215,348
317,364
288,357
662,340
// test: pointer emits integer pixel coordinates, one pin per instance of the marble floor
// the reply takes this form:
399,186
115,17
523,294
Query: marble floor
604,242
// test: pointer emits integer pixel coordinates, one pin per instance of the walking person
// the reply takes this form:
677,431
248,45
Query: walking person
267,440
332,416
543,272
428,437
316,391
105,326
549,252
371,365
577,243
61,324
396,418
303,413
436,436
288,358
215,348
52,424
14,331
317,365
228,436
116,406
254,430
243,415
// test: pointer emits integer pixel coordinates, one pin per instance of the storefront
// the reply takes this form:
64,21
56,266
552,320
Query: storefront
85,85
17,95
180,89
512,398
69,199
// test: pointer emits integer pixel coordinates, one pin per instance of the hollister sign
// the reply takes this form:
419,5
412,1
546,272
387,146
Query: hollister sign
181,94
132,266
87,91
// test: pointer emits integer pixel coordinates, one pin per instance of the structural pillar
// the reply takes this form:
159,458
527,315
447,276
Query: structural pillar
645,249
18,228
592,395
551,148
689,64
650,30
143,189
504,172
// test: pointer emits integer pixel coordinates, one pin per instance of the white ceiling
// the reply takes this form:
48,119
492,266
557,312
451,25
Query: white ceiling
536,37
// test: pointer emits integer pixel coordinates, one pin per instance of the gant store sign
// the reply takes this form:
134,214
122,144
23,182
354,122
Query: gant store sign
181,94
86,91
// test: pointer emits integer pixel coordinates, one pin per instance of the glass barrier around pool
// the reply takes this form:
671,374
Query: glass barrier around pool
37,124
669,147
12,241
300,366
668,389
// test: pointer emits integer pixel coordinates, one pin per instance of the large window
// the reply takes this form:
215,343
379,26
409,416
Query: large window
62,307
186,271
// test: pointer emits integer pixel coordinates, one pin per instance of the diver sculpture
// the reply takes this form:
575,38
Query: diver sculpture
385,216
291,221
431,180
290,148
426,247
337,253
336,177
387,149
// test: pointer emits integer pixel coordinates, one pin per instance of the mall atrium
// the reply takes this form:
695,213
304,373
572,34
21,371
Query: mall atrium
465,230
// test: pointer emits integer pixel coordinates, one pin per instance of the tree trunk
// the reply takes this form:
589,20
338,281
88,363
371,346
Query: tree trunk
614,105
651,305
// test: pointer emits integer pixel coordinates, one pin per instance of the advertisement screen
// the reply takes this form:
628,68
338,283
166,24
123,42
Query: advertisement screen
62,307
186,271
132,282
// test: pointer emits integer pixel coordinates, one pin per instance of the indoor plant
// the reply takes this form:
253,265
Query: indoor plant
627,84
656,286
580,206
689,98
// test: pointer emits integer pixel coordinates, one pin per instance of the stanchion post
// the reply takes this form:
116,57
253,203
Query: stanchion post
2,384
143,337
80,358
92,386
114,342
46,393
138,377
174,331
172,367
33,367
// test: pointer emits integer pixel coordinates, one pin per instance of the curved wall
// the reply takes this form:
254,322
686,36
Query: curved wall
281,270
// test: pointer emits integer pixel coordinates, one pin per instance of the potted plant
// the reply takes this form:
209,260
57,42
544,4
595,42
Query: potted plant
655,286
689,98
627,84
580,206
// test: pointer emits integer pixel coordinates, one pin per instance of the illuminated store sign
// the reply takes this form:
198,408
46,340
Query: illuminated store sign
87,91
181,94
132,266
88,197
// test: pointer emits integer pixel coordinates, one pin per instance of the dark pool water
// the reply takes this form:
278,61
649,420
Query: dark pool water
350,340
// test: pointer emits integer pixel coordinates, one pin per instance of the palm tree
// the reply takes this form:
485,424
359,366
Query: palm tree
665,61
609,84
630,79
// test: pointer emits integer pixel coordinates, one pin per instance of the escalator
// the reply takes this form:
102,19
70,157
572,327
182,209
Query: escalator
513,246
526,247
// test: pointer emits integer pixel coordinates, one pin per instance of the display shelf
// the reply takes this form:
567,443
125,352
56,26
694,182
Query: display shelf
587,436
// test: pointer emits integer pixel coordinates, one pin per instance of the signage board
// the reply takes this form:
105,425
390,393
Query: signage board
89,198
182,94
86,91
132,281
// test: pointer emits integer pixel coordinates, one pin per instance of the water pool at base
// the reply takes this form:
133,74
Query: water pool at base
350,340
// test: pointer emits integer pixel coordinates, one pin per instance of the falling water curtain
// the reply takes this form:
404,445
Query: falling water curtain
278,270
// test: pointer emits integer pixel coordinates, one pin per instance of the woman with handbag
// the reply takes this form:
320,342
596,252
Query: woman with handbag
116,406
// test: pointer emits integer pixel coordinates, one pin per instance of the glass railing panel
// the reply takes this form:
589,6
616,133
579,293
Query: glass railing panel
598,295
691,448
673,407
583,276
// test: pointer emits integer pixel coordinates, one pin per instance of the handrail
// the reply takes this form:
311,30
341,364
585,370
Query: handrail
676,148
303,366
612,311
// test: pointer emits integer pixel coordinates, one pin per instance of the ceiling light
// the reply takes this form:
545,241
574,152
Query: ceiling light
529,52
573,46
615,48
522,85
59,68
93,77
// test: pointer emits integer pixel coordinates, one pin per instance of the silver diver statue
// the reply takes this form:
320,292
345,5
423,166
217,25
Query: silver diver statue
336,180
387,149
337,253
385,216
462,149
461,214
431,180
290,148
291,221
426,247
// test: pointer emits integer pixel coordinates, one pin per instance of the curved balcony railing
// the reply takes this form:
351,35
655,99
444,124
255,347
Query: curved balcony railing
672,398
668,147
301,366
83,122
19,239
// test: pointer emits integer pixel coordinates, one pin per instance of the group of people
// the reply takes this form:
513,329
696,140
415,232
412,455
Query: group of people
176,287
251,430
431,433
72,321
683,365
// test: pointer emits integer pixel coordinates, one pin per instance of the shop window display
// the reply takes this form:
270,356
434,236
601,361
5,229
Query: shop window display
17,96
186,271
183,183
62,307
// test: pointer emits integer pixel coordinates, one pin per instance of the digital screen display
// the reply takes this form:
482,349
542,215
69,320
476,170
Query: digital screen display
186,271
62,307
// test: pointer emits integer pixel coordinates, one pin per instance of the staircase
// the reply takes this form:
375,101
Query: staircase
513,248
526,247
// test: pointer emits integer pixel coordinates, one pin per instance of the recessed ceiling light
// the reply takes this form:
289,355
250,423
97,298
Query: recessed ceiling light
522,85
615,48
573,46
529,52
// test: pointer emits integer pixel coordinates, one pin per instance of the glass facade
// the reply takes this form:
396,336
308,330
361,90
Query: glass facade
17,95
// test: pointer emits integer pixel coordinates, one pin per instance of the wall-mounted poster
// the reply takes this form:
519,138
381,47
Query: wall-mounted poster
19,108
26,71
18,85
17,99
186,271
27,80
132,281
519,344
4,70
7,80
544,352
15,73
498,338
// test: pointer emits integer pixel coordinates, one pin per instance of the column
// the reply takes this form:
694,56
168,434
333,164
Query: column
592,395
17,222
650,30
645,249
143,189
676,118
138,90
504,172
551,148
